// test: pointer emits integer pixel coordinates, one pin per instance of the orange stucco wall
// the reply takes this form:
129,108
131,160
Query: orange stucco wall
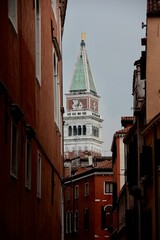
152,68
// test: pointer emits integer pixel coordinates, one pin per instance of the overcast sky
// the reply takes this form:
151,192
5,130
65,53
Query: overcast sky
113,42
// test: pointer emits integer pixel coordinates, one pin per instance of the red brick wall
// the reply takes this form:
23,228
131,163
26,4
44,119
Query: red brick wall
93,202
22,214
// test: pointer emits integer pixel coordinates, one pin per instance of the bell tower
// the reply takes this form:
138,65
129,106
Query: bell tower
82,128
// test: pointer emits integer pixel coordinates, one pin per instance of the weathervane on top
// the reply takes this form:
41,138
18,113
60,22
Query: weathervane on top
83,37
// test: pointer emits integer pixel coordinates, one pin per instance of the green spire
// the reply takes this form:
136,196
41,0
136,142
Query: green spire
82,79
78,82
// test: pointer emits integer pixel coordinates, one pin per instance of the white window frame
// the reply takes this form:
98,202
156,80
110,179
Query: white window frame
57,98
38,39
76,191
110,188
39,176
76,221
57,113
12,13
28,151
14,149
86,189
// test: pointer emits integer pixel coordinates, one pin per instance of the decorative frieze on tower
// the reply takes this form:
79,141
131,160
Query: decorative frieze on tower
82,128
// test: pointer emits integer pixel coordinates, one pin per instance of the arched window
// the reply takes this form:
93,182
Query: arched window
109,216
76,221
95,131
68,222
71,221
79,130
86,219
74,130
84,129
65,222
107,220
70,131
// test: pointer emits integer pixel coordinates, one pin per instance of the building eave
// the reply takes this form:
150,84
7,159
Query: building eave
154,122
89,173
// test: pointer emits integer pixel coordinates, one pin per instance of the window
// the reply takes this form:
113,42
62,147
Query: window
103,216
95,131
12,12
74,130
84,130
57,114
38,40
28,163
107,220
76,221
67,221
86,189
108,188
86,219
71,221
79,130
76,193
70,131
39,175
14,149
146,162
17,115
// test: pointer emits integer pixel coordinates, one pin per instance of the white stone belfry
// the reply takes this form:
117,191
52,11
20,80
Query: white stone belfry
82,127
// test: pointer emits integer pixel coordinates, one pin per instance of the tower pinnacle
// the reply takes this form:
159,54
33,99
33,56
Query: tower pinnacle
82,78
83,37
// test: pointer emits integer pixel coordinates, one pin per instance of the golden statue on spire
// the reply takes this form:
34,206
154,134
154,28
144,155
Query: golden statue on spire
83,36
